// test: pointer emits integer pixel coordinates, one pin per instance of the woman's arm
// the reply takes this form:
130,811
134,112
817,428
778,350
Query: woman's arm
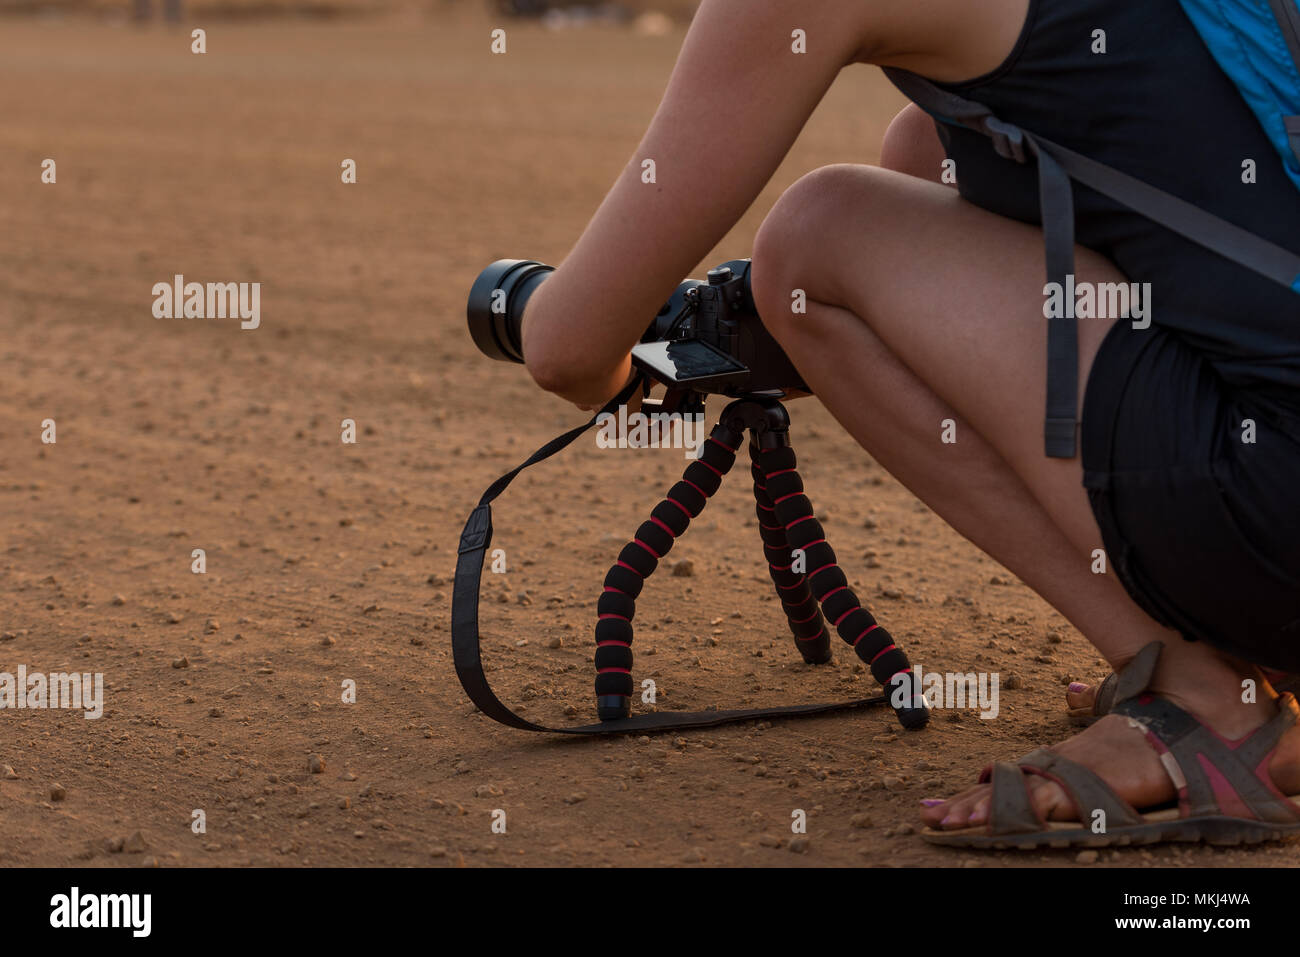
737,100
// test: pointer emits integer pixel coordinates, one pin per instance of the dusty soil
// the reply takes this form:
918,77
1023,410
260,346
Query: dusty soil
329,562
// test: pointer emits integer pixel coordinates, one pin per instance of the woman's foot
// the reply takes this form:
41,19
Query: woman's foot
1081,698
1207,686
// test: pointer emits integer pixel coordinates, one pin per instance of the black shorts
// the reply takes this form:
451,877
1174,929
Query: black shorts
1200,526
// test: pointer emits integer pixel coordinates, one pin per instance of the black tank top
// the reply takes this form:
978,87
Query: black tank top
1155,106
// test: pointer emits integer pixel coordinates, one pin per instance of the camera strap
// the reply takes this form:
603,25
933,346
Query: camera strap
465,645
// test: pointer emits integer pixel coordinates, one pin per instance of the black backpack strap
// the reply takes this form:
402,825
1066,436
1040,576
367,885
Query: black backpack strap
1057,166
474,543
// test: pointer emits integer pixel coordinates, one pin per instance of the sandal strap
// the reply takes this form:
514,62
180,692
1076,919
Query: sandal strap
1135,677
1010,810
1088,791
1262,742
1105,699
1212,775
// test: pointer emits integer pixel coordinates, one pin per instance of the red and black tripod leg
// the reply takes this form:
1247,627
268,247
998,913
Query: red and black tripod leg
769,425
640,557
801,609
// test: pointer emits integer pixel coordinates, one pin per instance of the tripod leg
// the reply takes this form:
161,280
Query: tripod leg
873,644
638,560
801,609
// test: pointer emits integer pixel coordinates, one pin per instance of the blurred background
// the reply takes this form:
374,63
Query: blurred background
555,11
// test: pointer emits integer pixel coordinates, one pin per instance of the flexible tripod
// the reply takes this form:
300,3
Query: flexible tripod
792,539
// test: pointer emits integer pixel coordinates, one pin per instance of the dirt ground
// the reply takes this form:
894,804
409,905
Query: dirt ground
328,562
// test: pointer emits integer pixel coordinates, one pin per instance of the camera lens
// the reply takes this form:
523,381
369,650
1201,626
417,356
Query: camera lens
496,306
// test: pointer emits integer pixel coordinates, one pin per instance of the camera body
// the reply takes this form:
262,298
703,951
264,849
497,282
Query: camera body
706,339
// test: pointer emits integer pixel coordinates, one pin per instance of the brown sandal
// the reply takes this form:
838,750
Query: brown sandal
1225,795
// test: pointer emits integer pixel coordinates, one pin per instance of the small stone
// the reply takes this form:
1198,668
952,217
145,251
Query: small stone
438,851
770,840
174,618
58,792
1013,681
119,600
113,845
316,764
576,798
1086,857
861,819
181,662
327,640
556,642
135,844
9,773
800,844
684,569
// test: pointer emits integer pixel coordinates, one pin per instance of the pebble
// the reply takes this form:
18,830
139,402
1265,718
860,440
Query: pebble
556,642
770,840
119,600
316,764
181,662
1013,681
861,819
9,773
58,792
684,569
800,844
327,640
135,844
576,798
1087,857
173,618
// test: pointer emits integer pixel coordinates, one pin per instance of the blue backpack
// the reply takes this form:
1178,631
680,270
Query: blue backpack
1257,44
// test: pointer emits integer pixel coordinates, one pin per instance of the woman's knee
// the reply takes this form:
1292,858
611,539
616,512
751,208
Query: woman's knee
799,253
790,248
912,146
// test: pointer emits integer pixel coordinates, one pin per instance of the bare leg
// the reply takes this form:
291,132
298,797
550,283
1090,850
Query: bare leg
923,308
